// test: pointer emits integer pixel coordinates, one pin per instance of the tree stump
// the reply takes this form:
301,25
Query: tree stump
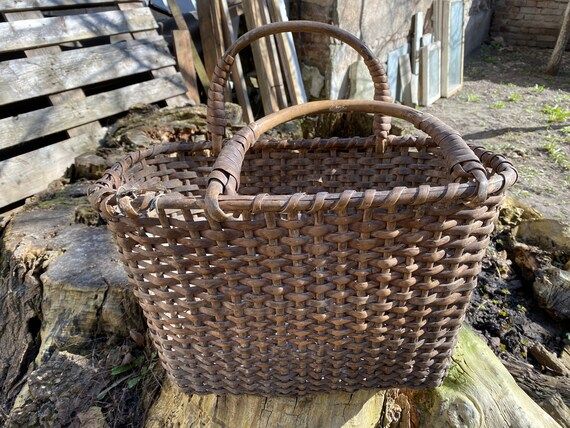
478,392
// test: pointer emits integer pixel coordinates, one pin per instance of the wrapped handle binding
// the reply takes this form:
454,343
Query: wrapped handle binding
216,114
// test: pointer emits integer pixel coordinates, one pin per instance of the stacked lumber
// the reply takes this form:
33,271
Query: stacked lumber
276,66
66,66
275,57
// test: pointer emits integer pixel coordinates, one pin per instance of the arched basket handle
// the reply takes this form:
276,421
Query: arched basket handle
216,113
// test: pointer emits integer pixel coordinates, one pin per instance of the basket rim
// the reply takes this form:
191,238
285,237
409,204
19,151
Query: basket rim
108,197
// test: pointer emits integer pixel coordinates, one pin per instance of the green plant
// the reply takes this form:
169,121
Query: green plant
132,373
514,97
473,98
499,105
556,113
539,89
557,154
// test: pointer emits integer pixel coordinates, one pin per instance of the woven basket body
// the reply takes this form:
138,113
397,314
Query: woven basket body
341,265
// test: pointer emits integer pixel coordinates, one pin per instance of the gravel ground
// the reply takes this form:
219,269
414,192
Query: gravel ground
510,106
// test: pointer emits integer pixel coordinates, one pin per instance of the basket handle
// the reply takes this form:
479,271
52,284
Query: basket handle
216,114
225,175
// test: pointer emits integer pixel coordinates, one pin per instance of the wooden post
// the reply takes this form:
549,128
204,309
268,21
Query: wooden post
288,55
273,57
211,46
187,56
183,49
405,73
556,58
260,50
237,70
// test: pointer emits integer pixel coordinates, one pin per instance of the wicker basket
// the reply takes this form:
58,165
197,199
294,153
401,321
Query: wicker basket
342,264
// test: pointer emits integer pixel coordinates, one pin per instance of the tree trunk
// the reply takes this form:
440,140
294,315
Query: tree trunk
556,58
478,392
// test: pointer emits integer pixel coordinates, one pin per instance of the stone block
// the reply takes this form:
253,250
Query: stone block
361,85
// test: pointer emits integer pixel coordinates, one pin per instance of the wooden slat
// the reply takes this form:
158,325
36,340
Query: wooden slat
190,67
237,69
21,5
37,123
179,100
24,175
47,74
288,54
216,16
273,56
416,41
34,33
74,94
211,46
183,49
176,13
260,51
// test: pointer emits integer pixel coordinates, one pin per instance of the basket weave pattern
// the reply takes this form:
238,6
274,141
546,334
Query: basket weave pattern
291,303
342,264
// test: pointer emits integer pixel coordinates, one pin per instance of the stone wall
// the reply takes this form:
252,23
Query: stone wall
533,23
382,24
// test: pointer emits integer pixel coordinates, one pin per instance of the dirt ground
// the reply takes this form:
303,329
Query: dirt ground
510,106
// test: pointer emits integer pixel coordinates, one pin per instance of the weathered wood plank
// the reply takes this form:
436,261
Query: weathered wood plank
216,17
183,49
21,5
47,74
211,46
34,33
237,69
260,51
288,54
273,57
37,123
62,97
178,100
24,175
405,75
189,61
416,42
176,13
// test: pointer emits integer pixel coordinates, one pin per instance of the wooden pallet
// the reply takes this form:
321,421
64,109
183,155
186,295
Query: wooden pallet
66,66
